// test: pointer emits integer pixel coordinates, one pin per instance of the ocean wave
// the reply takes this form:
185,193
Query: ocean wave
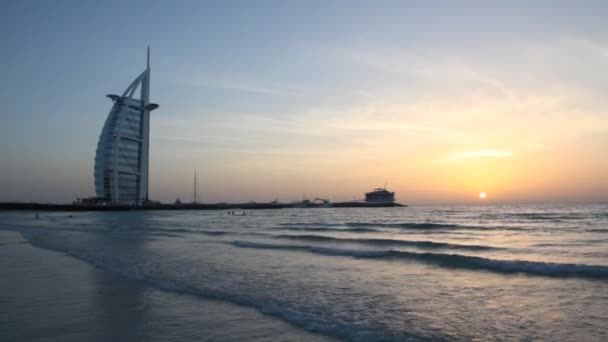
387,242
558,244
373,226
549,216
329,229
214,232
309,321
173,231
310,224
451,260
13,243
598,230
363,227
427,226
412,225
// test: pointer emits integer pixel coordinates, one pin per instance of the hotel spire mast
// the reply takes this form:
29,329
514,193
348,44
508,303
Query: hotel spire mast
145,99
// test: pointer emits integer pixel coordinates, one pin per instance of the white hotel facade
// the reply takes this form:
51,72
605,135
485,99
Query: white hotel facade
121,160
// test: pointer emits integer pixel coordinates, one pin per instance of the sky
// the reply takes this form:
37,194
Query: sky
440,100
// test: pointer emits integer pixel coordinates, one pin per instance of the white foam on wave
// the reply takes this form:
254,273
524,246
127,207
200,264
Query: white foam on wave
387,242
308,321
451,260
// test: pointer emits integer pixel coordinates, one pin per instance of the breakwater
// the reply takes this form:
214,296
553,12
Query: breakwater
186,206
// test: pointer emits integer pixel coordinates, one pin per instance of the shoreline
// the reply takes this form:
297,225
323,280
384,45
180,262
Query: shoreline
49,295
16,206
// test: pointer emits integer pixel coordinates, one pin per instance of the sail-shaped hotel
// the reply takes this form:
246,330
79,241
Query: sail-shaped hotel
121,160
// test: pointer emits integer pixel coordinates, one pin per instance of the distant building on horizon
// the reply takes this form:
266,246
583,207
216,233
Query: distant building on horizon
380,195
121,160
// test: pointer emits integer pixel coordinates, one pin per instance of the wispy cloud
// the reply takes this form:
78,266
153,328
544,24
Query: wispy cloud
451,72
229,83
204,139
249,88
588,45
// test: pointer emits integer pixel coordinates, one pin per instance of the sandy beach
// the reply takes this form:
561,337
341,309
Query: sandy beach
49,296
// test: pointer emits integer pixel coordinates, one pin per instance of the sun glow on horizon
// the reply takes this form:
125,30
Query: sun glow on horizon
482,195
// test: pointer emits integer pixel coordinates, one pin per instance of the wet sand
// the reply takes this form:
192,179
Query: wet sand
49,296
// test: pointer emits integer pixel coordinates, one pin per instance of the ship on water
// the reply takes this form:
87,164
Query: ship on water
379,197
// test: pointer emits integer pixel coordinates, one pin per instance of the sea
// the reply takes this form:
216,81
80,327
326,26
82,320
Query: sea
419,273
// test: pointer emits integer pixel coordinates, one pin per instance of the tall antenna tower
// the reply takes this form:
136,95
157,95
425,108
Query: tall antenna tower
194,186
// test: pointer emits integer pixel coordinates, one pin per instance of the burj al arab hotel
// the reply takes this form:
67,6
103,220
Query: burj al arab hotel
121,160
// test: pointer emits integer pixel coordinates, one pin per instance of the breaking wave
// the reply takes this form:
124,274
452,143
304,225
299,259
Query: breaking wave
305,320
328,229
429,226
451,260
376,226
182,230
598,230
408,225
549,216
387,242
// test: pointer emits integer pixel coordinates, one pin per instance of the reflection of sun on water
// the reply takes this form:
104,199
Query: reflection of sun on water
482,195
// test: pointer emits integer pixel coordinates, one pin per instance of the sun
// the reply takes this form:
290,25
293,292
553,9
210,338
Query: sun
482,195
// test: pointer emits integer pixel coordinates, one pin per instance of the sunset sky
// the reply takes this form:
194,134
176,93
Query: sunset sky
283,99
